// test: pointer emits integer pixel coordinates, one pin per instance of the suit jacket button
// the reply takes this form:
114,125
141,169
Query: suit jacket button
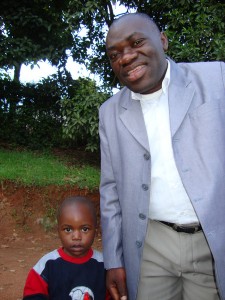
146,156
142,216
145,187
138,244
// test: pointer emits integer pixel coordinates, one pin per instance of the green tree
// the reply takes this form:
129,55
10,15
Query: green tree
31,31
35,121
80,113
196,29
94,18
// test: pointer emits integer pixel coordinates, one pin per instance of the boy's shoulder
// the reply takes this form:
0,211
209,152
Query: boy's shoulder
40,265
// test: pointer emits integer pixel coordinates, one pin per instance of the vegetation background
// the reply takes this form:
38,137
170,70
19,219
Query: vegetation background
49,144
59,111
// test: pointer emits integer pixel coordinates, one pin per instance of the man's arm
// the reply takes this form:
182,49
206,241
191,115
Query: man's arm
111,221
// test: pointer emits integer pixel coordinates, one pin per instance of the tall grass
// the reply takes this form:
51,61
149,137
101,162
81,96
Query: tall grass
29,168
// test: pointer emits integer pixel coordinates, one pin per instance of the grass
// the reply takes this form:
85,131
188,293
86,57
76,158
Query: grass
28,168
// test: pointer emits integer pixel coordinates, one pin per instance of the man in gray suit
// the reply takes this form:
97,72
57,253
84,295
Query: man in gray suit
162,170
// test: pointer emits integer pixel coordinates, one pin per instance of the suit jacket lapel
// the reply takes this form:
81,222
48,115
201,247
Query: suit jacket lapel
132,117
181,92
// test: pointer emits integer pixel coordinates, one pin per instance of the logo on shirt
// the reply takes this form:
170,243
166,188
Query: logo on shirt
81,293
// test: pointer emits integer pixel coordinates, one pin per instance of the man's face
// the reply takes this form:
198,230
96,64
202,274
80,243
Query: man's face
136,51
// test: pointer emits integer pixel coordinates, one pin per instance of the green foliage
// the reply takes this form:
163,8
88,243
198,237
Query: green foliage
55,112
92,18
196,29
33,30
39,169
80,114
30,114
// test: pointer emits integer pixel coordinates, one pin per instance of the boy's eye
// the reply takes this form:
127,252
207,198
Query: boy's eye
85,229
67,229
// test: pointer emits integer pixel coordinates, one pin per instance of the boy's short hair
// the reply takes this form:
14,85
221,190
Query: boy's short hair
80,200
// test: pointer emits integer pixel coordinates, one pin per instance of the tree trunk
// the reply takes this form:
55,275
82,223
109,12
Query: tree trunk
17,72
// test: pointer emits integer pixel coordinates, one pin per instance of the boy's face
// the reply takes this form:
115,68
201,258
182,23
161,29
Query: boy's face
76,228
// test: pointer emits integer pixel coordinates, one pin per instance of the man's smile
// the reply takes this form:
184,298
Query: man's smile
136,73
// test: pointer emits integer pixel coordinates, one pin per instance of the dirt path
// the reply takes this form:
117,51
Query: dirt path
25,214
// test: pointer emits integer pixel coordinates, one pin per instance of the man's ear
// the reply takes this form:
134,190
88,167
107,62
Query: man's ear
164,40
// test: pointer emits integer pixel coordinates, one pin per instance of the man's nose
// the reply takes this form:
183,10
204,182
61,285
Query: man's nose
127,56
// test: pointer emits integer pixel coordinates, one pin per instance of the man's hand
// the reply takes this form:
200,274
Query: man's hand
116,283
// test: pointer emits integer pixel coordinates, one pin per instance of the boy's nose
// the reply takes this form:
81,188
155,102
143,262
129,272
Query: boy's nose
76,235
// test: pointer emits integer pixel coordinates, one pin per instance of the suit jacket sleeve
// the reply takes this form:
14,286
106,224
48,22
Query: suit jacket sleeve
110,207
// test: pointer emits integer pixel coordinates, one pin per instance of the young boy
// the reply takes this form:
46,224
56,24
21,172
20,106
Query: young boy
74,271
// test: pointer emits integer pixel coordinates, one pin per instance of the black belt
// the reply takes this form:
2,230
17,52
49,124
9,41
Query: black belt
181,228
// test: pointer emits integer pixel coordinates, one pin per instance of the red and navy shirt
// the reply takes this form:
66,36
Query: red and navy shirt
58,276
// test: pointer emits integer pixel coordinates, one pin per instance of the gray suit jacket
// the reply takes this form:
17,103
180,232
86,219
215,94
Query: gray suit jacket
197,120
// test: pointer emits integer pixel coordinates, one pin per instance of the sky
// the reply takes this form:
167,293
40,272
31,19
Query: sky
44,69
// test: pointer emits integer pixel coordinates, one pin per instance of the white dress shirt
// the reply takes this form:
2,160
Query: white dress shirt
168,198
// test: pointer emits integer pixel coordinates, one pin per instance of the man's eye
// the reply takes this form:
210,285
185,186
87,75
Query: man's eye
137,42
112,56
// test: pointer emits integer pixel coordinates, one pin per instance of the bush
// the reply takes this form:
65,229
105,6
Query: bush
80,114
53,113
30,114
